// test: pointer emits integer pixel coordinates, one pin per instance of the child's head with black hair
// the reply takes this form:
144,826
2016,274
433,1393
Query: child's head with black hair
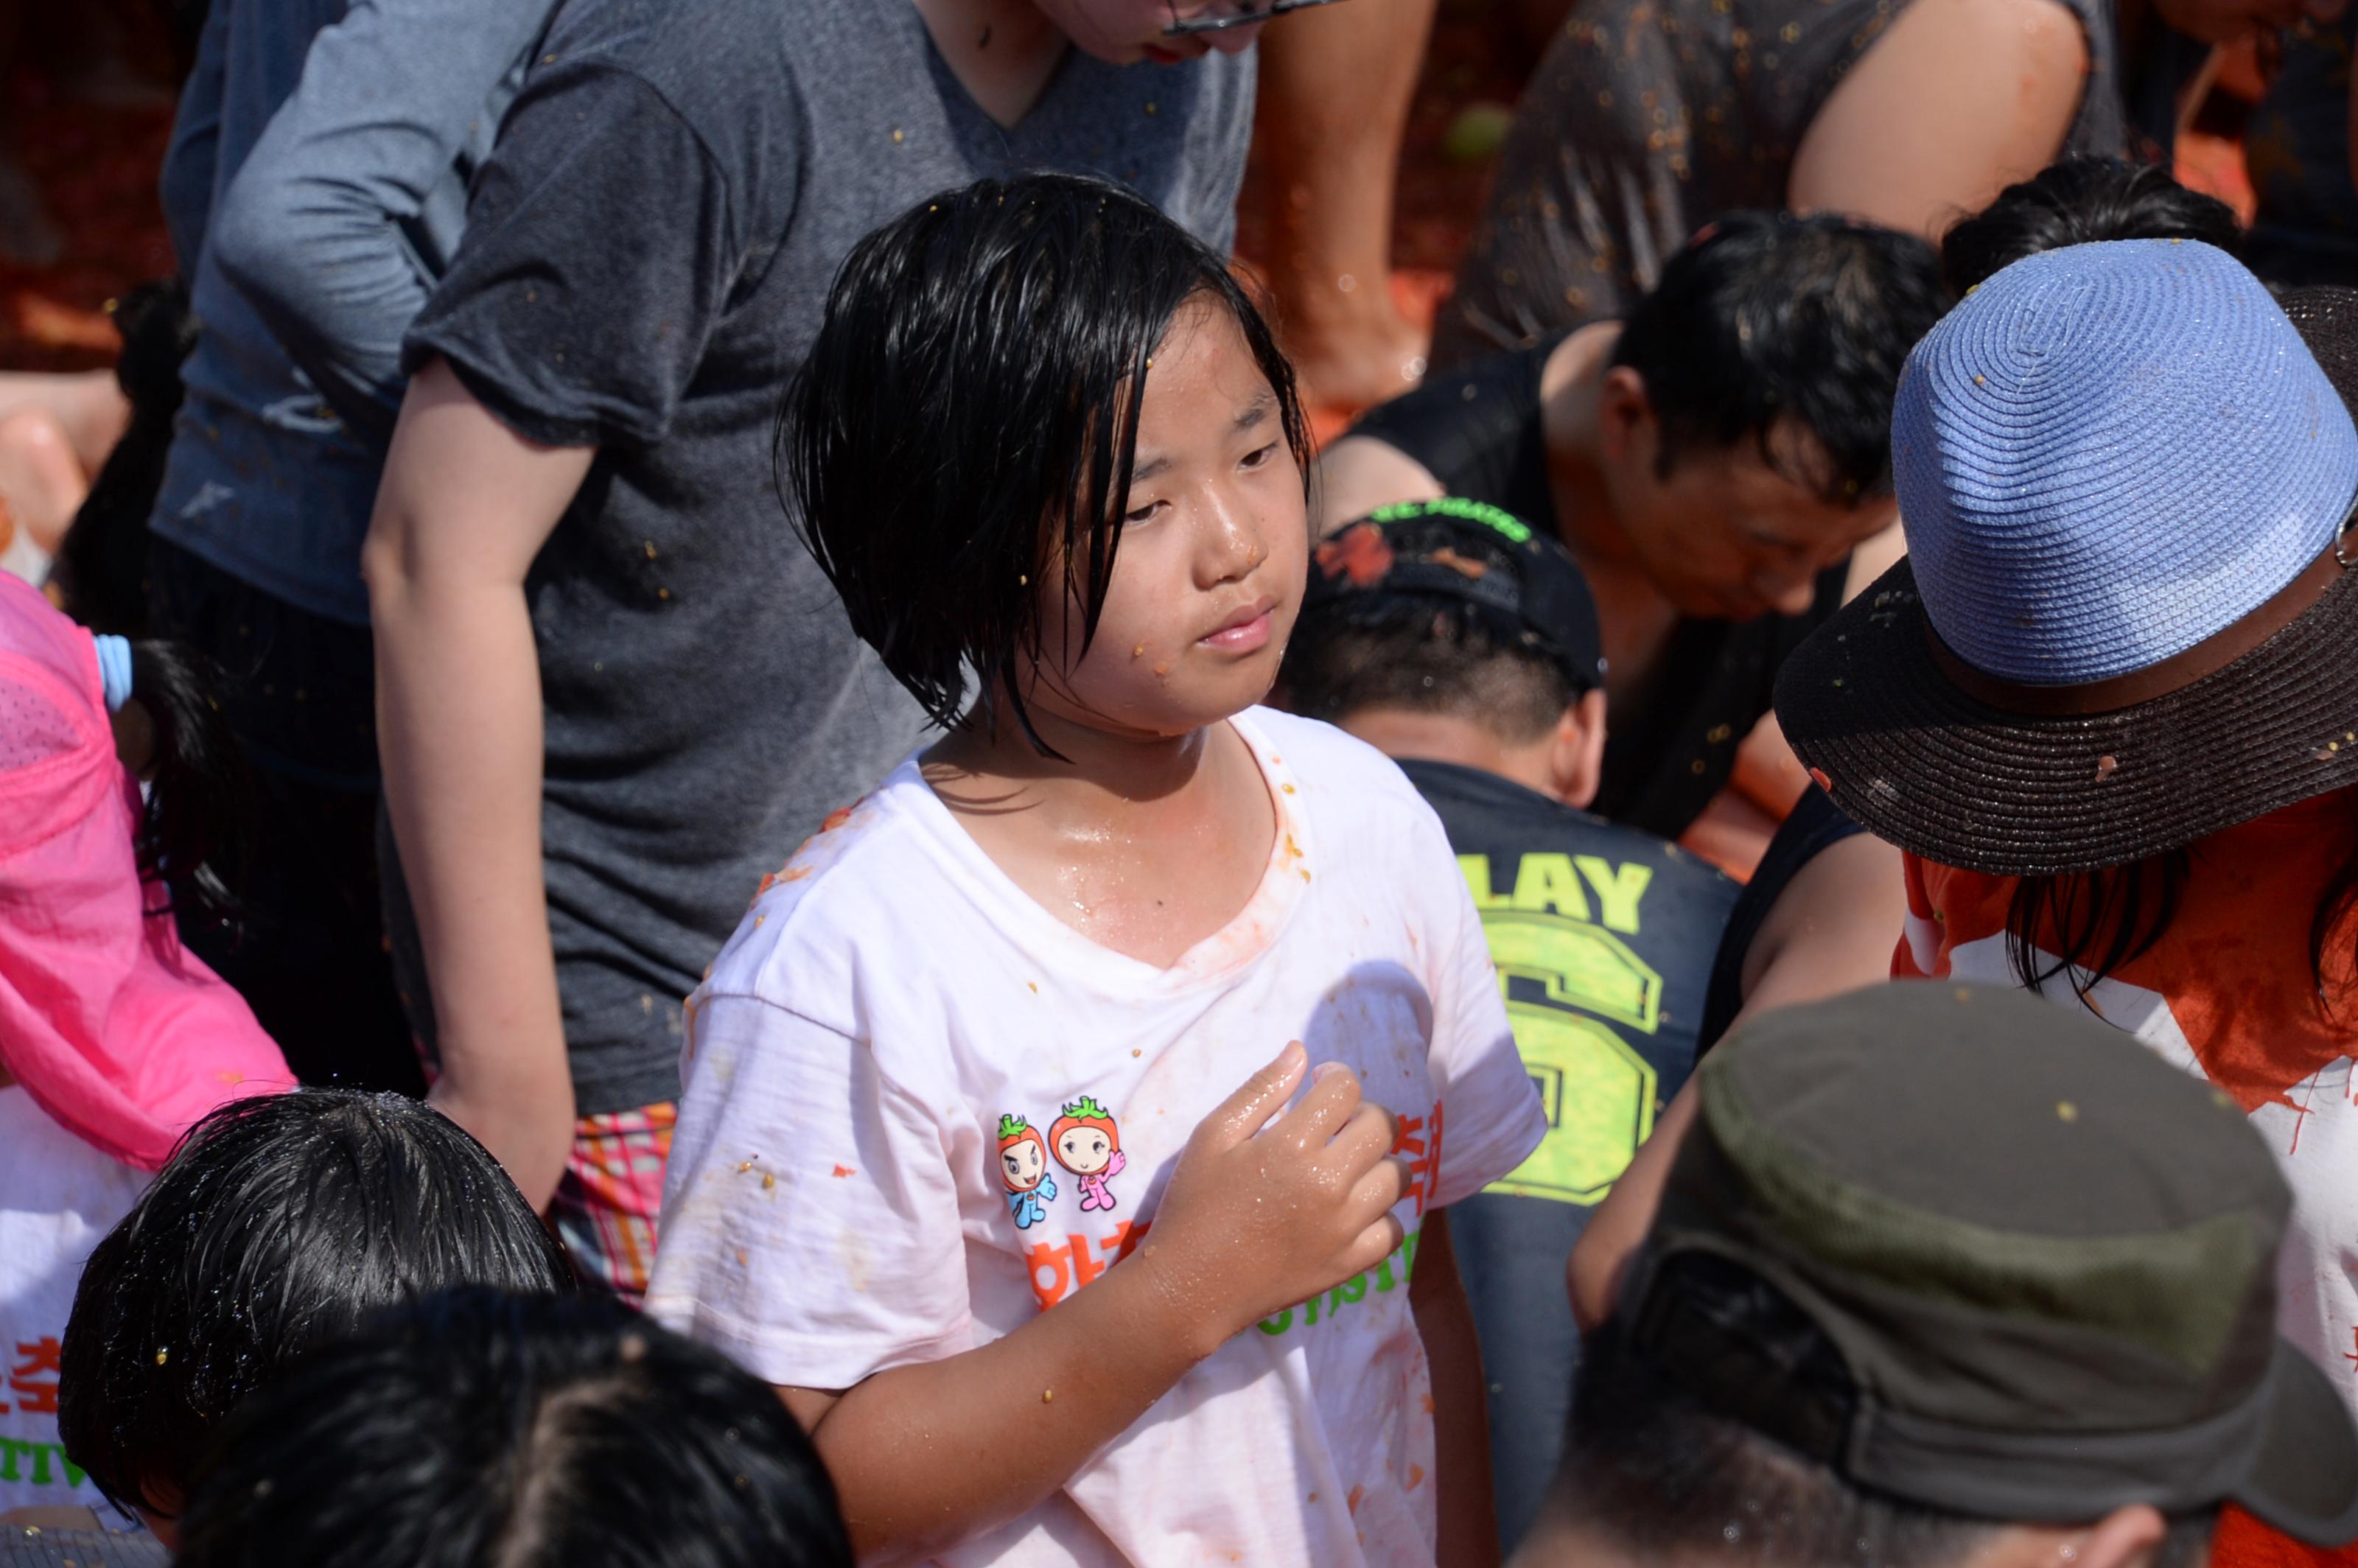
1745,419
280,1222
2078,201
483,1430
1016,384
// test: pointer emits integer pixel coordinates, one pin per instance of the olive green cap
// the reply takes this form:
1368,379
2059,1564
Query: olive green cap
2045,1258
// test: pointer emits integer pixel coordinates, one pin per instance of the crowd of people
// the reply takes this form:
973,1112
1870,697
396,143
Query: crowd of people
1724,933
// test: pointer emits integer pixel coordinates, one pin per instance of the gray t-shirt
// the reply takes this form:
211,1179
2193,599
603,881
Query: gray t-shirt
646,260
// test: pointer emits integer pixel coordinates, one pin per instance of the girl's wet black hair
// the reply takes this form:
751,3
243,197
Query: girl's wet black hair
279,1223
197,829
480,1430
961,438
2076,203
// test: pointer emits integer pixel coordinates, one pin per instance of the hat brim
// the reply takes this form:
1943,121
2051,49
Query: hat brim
1922,765
2304,1480
1917,760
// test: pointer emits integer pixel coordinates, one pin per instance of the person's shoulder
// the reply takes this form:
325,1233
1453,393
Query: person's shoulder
815,923
1338,775
715,61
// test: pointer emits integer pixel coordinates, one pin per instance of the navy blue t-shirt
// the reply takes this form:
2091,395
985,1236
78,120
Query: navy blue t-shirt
1603,937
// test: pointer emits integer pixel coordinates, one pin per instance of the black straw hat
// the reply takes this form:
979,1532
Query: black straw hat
2044,1259
2140,629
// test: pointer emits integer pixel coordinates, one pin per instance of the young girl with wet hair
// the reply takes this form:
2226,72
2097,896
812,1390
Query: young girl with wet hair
1045,438
112,1040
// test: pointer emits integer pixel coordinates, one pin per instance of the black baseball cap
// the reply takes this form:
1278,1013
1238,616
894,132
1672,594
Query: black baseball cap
2044,1258
1524,585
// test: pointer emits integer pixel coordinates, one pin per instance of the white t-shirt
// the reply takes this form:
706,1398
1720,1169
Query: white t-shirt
919,1109
58,1197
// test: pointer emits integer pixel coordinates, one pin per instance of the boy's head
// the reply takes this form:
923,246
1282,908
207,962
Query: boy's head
971,459
1951,1275
1450,630
478,1428
1745,420
279,1223
1654,1478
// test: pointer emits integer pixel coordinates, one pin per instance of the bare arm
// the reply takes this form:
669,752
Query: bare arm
465,505
1830,931
926,1457
1444,1319
1960,99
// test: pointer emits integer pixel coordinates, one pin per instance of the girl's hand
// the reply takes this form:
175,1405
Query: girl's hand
1264,1212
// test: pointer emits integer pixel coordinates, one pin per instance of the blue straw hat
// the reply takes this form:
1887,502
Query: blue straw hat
2124,623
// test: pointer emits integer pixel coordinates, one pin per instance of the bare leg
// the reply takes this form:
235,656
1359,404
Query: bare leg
1335,91
41,481
87,405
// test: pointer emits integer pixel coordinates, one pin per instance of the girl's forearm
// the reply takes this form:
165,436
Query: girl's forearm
1460,1417
926,1456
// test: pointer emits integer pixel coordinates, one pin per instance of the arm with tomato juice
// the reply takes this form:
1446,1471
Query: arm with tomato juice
1829,932
1461,1422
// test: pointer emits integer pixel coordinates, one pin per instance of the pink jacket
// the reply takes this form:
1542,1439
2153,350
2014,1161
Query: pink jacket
120,1035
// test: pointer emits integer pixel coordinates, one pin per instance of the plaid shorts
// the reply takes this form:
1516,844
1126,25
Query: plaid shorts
606,1204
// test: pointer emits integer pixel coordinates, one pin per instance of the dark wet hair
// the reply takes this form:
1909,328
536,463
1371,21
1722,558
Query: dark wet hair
280,1222
1765,317
197,828
1424,656
1665,1479
961,439
102,566
482,1430
2075,203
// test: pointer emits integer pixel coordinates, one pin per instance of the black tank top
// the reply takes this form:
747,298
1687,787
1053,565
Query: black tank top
1477,432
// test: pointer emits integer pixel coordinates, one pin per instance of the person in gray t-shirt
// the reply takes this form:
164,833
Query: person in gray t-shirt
614,689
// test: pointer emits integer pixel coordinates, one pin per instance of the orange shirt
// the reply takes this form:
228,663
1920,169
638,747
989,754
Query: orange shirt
2228,994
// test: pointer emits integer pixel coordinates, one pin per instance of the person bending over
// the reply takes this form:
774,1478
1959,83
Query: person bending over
1648,118
959,1154
279,1224
1711,463
478,1428
1949,1277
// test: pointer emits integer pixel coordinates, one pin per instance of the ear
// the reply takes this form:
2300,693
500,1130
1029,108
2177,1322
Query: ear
2125,1538
1576,751
1625,417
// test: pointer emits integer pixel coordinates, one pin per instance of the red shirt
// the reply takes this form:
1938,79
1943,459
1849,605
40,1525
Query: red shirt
2229,994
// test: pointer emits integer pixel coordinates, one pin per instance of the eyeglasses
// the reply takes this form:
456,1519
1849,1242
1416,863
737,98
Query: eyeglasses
1245,17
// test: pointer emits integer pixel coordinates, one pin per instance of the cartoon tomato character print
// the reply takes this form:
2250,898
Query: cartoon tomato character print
1023,1169
1088,1144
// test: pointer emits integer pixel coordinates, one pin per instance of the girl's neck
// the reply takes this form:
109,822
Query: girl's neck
1097,773
1146,845
1003,52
